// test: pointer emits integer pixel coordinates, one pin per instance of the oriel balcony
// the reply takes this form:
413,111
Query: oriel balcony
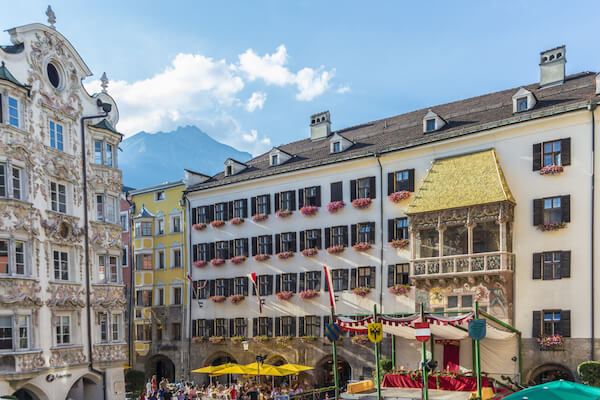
464,264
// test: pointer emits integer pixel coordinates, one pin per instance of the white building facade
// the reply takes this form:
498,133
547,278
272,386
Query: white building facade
61,323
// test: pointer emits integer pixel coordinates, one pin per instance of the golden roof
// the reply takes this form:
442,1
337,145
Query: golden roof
461,181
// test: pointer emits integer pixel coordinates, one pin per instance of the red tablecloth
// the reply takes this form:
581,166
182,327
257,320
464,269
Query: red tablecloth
458,384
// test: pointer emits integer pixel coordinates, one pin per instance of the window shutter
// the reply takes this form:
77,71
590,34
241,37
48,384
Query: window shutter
565,264
295,283
345,279
271,244
372,187
565,323
353,233
254,287
391,182
353,190
231,249
270,327
318,193
538,212
536,330
231,327
245,208
254,246
353,274
245,241
327,238
277,243
276,197
278,283
345,230
277,326
336,191
565,151
411,180
211,326
253,205
293,327
301,283
211,250
293,199
268,204
300,326
294,242
318,326
254,326
194,210
391,230
211,213
318,281
229,211
537,266
547,272
302,244
537,156
246,281
391,275
300,198
319,239
565,204
231,286
269,285
373,277
372,233
212,287
195,252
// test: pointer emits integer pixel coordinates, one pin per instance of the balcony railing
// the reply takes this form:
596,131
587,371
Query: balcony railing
463,264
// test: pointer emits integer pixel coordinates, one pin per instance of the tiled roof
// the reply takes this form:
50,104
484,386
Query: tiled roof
105,124
144,213
461,181
5,75
406,130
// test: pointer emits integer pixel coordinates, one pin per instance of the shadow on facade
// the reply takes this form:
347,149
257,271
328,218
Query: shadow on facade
162,367
323,373
87,387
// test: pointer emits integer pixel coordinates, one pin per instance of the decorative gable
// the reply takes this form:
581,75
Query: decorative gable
432,122
278,157
338,143
523,100
194,178
232,167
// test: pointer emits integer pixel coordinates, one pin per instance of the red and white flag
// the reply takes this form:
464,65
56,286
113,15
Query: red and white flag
330,287
254,280
195,285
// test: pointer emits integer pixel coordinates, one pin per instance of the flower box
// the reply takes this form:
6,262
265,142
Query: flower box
335,249
217,299
361,203
238,339
285,254
237,259
399,243
261,257
199,263
362,246
549,343
360,339
236,298
217,224
310,252
399,289
309,210
308,339
236,221
216,339
198,339
397,197
283,340
261,339
361,291
217,261
551,169
199,227
284,295
335,206
283,213
308,294
551,226
259,217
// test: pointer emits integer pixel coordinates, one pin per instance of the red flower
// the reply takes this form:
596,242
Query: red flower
361,203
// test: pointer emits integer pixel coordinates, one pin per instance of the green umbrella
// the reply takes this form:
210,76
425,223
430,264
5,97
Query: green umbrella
557,390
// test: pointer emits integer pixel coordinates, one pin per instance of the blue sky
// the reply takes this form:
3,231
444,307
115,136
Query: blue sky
250,73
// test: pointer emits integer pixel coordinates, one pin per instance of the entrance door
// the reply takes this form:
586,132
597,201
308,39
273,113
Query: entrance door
451,357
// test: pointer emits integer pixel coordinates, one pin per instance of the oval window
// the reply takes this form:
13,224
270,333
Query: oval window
53,75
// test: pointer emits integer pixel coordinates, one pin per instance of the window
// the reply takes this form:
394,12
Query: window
274,159
58,197
552,152
63,329
428,243
522,104
160,226
103,326
366,277
239,209
202,289
265,326
12,181
338,235
203,254
264,244
400,229
288,241
240,286
200,215
101,268
143,229
113,270
452,302
288,282
552,210
364,188
339,278
160,259
12,257
22,322
61,265
143,332
240,247
124,257
160,294
176,327
286,201
366,232
109,155
313,280
552,265
311,196
143,262
97,152
551,323
13,112
222,249
176,296
240,327
53,75
430,125
6,333
288,327
220,327
99,207
262,204
176,224
56,135
398,274
176,258
14,332
124,223
106,208
337,147
555,152
401,180
312,325
221,287
313,239
265,283
159,196
143,298
220,211
466,301
115,327
229,170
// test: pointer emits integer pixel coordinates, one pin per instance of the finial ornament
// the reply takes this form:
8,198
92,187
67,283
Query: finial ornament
104,82
51,17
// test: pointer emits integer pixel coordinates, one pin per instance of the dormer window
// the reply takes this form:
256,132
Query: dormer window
432,122
229,170
522,104
430,125
337,146
523,100
274,159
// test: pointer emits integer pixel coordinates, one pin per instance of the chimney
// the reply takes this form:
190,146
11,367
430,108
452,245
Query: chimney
552,66
320,125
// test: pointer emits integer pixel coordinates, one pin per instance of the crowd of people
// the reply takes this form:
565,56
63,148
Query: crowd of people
163,390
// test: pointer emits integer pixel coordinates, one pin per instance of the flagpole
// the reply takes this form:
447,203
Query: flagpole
477,355
424,359
335,363
377,372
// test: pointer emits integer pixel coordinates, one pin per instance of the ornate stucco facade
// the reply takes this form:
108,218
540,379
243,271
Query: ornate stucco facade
44,303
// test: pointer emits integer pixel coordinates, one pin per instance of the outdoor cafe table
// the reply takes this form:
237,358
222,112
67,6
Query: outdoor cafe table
442,382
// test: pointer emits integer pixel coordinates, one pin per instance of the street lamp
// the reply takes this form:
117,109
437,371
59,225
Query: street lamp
259,361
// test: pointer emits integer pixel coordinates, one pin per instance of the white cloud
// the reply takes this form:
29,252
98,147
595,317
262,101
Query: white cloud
343,89
257,100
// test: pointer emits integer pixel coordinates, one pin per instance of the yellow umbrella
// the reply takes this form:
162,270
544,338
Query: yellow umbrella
267,369
234,369
295,367
211,369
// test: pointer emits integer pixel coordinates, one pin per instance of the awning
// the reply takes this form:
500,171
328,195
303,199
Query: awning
461,181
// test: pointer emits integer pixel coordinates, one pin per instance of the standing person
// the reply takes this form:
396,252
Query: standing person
148,387
233,392
154,383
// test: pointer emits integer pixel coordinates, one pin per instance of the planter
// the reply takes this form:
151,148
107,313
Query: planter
217,299
216,339
217,261
199,227
308,294
309,210
236,221
360,339
259,217
283,213
236,298
284,295
260,339
361,203
285,254
361,291
397,197
551,226
335,206
198,339
238,339
308,339
237,259
399,289
261,257
551,170
361,246
399,243
550,343
217,224
283,340
335,249
310,252
199,263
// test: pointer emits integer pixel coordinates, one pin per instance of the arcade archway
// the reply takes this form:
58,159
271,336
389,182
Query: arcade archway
162,367
324,372
550,372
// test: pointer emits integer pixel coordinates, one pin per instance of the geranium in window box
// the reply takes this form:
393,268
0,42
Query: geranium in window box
198,339
362,246
551,226
236,298
335,249
217,299
285,254
552,342
283,213
335,206
261,257
309,210
283,340
308,339
237,259
217,224
360,339
399,289
361,291
216,339
259,217
217,261
238,339
199,227
199,263
397,197
551,169
308,294
310,252
361,203
236,221
284,295
261,339
399,243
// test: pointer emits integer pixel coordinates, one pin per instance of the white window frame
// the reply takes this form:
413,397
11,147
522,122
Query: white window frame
8,108
107,216
69,270
164,257
172,223
124,252
63,134
57,201
104,153
62,333
158,223
8,180
16,333
160,195
125,226
160,300
12,257
172,258
172,297
107,275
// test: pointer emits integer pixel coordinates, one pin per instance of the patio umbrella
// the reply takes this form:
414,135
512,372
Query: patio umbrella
234,369
557,390
211,369
267,369
295,367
